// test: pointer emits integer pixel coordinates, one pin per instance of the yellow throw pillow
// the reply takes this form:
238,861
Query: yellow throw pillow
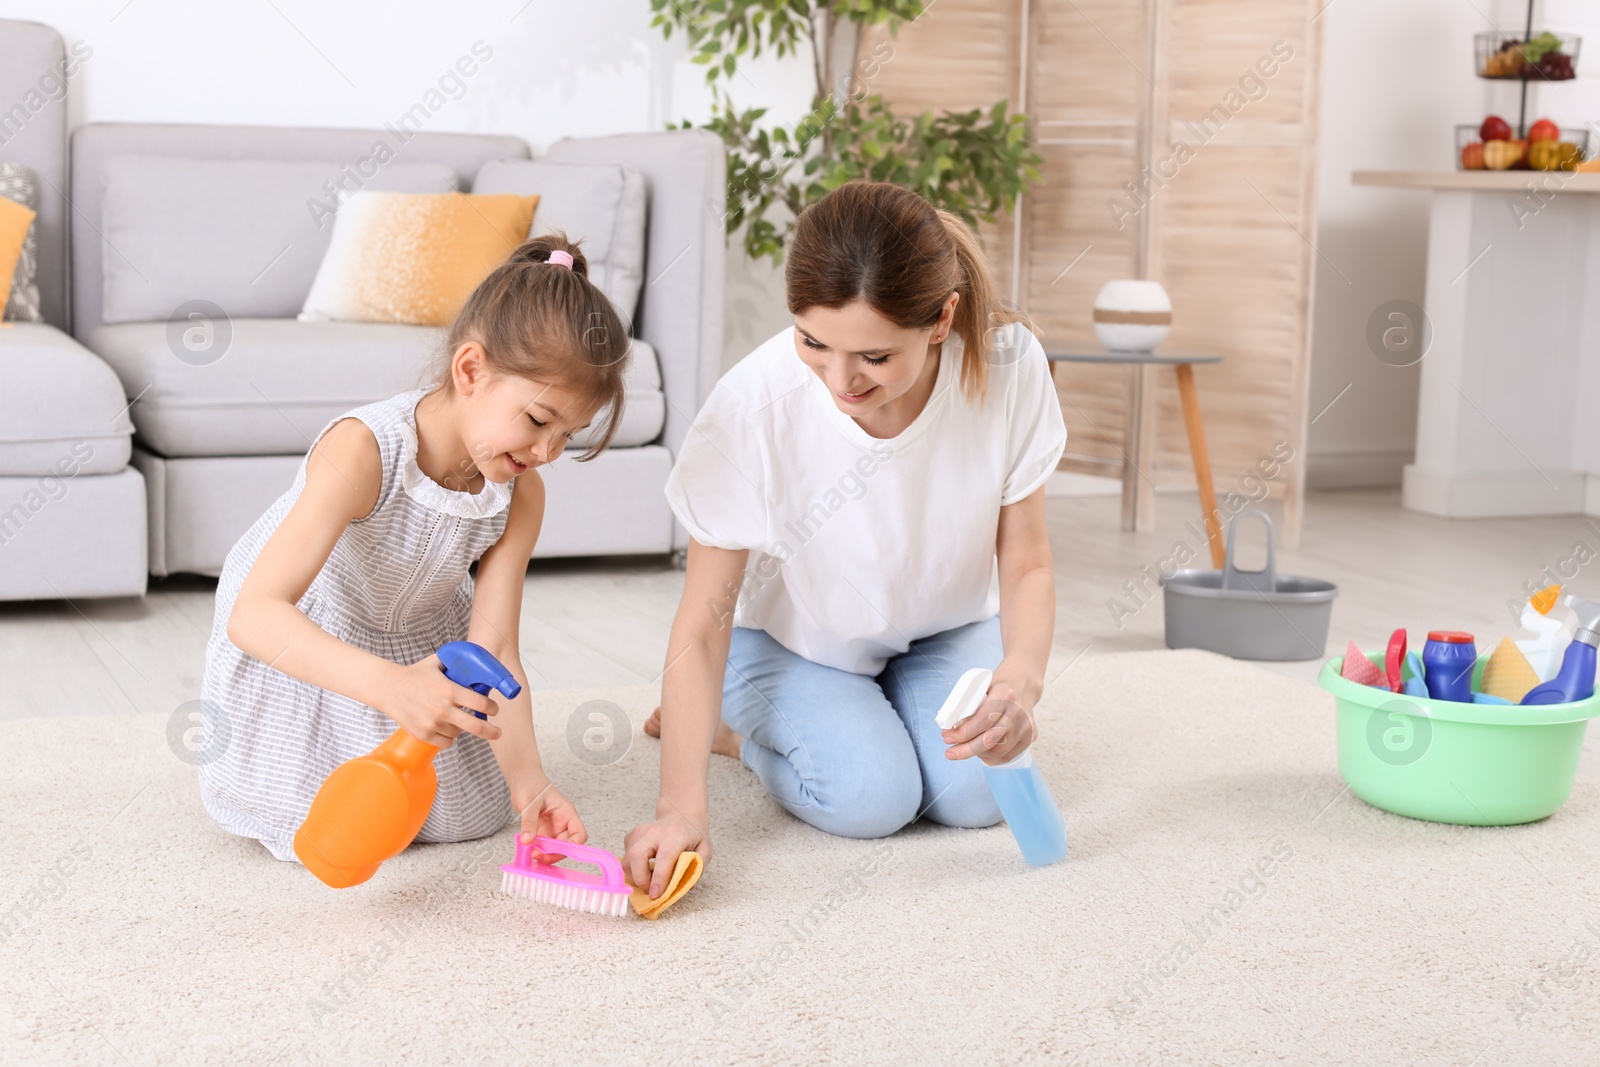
14,222
414,257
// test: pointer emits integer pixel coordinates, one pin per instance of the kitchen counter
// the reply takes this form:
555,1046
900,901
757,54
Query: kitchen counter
1508,419
1568,181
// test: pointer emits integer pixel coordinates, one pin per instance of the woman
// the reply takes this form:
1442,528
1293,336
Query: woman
849,488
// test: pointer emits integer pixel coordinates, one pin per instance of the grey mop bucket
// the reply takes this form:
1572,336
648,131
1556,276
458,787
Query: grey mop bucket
1248,614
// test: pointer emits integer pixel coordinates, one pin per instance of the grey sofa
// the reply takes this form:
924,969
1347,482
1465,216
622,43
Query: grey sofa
72,511
217,439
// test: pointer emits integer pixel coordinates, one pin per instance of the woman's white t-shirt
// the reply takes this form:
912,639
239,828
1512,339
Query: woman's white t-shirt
859,545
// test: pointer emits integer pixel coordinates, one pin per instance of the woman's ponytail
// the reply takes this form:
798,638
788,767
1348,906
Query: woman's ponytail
978,312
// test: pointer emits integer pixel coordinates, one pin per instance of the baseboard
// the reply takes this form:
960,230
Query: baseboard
1498,495
1356,470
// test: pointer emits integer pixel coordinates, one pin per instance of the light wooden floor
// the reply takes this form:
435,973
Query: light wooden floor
598,623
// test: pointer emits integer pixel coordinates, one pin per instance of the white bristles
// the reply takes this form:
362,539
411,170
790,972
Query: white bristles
562,895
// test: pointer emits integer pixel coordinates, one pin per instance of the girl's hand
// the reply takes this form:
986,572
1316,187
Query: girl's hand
546,813
662,841
428,705
998,732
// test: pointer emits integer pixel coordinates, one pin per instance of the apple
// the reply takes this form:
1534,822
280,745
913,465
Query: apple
1499,155
1495,128
1544,130
1472,156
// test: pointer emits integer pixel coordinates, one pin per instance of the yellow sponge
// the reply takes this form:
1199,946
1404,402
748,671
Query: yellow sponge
1508,674
684,875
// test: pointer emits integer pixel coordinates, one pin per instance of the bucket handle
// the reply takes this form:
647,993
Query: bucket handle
1261,581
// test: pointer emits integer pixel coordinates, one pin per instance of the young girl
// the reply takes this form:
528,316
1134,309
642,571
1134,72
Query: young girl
330,607
849,489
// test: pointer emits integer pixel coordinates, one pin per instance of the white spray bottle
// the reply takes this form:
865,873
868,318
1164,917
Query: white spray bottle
1018,787
1544,649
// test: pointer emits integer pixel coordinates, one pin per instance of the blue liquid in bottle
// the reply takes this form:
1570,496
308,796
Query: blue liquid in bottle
1018,787
1030,810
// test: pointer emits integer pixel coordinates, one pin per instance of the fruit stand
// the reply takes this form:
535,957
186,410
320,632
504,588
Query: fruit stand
1524,57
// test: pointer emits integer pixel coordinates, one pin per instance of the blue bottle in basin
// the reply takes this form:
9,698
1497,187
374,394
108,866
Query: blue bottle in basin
1018,787
1575,679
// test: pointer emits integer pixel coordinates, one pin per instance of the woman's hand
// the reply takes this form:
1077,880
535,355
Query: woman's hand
428,705
547,813
661,841
998,732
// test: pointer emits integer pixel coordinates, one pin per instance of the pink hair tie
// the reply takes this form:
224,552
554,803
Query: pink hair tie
560,258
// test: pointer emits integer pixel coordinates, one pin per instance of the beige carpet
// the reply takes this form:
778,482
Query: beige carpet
1225,902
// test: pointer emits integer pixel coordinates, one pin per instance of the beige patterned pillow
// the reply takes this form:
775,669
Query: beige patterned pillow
17,184
413,257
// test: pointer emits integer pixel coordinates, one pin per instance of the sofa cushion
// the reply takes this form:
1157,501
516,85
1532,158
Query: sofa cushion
22,303
414,257
16,223
644,407
62,411
244,234
268,386
601,204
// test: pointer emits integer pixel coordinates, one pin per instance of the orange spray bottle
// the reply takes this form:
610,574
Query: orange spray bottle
371,807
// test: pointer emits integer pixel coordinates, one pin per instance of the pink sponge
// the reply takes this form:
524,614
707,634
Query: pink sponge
1359,668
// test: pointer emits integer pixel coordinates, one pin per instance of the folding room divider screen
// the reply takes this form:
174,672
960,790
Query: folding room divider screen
1180,143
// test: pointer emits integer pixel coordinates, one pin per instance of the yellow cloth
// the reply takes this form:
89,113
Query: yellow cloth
414,257
14,222
684,876
1508,674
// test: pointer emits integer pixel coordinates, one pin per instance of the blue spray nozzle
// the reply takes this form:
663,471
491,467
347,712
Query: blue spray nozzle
471,665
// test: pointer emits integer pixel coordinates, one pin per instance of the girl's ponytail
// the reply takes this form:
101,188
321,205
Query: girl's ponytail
538,249
887,246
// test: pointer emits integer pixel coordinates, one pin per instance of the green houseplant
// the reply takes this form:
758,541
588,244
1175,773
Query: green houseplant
973,163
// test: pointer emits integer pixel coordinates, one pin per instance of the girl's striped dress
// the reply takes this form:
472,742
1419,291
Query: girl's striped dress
396,585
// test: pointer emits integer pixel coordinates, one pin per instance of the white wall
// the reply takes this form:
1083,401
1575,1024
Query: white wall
560,68
1397,78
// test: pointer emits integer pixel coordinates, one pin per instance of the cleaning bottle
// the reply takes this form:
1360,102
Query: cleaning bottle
1449,657
1018,787
1543,649
371,807
1575,680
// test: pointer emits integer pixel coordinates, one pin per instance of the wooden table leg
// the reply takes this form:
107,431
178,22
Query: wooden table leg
1139,452
1202,460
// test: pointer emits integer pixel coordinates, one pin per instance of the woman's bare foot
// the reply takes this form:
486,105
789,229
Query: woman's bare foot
726,744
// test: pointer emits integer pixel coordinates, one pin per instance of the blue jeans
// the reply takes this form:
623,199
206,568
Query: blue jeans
852,754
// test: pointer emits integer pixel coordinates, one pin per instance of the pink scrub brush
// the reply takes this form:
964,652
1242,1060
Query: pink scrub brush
603,894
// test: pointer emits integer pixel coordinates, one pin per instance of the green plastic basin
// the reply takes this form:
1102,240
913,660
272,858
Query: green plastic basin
1445,761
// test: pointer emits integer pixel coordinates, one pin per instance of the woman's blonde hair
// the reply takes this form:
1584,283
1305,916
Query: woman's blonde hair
548,323
887,246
